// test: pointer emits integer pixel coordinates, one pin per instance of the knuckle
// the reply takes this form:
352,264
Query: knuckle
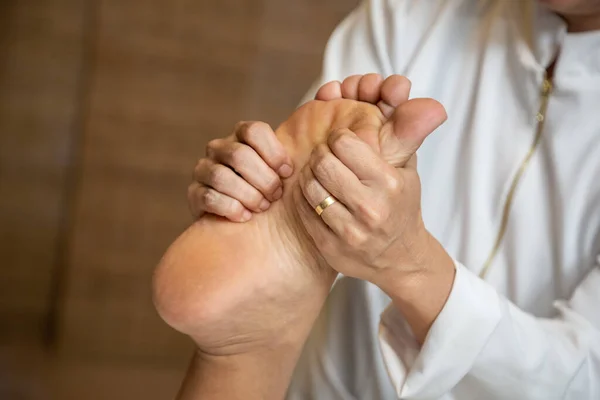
254,200
339,139
212,146
254,130
320,151
372,215
210,199
278,156
235,209
201,166
312,188
354,236
217,176
272,183
251,131
322,160
239,156
393,184
337,135
239,127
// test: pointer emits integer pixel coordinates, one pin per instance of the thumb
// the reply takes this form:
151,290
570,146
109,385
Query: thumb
402,135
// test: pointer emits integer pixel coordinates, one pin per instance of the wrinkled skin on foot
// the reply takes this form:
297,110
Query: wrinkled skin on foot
237,287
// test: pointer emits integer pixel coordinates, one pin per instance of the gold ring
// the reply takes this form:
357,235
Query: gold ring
324,204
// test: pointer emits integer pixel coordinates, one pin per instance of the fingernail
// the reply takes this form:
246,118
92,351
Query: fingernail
285,171
264,205
278,193
246,216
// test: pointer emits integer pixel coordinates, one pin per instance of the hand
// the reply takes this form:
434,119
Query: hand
363,179
240,174
375,231
376,223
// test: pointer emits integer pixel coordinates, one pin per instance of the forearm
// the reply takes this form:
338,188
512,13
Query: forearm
265,375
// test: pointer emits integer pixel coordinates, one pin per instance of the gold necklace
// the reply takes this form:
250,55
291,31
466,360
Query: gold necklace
541,117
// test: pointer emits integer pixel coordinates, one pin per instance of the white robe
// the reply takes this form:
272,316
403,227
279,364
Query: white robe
531,329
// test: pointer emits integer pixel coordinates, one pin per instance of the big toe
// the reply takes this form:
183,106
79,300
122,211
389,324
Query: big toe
411,123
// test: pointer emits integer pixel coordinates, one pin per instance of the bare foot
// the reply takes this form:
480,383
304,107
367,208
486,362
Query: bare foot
370,88
236,287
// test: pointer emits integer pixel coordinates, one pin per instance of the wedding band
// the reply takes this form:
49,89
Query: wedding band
324,204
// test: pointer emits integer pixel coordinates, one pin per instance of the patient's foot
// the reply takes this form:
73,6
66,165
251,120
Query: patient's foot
234,287
387,93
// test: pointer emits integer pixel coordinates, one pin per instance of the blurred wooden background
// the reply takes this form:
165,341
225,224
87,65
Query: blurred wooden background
105,105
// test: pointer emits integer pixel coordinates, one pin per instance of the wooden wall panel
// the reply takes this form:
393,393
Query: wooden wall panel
168,76
40,63
291,43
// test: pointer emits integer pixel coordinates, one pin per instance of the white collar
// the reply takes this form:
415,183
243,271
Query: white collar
542,34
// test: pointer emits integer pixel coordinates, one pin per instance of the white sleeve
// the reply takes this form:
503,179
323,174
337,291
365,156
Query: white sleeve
504,352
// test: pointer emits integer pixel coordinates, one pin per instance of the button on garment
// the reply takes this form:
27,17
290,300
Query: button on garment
531,328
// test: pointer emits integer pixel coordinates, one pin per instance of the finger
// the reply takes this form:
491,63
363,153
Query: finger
350,87
358,157
246,162
336,216
330,91
206,200
194,201
369,88
323,237
263,140
395,90
336,178
224,180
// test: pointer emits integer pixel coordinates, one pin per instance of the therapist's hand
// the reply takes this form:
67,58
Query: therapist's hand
375,230
242,173
375,225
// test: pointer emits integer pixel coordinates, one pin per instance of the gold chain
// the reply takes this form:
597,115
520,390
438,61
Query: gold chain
541,117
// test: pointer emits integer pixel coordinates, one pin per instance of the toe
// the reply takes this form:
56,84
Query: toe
330,91
369,88
395,90
410,125
350,87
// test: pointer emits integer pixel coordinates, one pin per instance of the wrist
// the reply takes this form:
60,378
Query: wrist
420,293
